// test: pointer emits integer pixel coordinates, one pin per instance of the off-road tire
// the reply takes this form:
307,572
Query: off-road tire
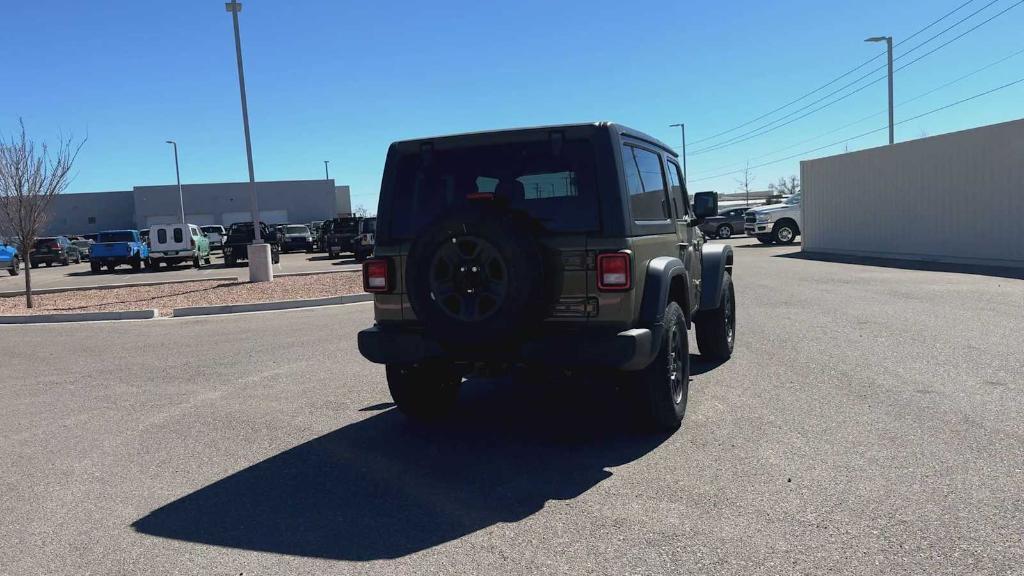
665,383
764,239
136,264
785,232
94,267
424,392
724,231
479,308
15,268
716,329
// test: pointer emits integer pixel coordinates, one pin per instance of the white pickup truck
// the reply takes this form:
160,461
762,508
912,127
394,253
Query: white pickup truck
778,223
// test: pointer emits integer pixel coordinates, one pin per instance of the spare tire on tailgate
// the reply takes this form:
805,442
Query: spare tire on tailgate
478,277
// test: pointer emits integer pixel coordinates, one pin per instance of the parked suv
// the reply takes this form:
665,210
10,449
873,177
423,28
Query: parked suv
215,234
296,237
54,250
240,235
779,223
172,244
569,248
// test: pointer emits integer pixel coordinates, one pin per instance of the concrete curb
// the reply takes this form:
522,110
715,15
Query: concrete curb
79,317
37,291
315,273
266,306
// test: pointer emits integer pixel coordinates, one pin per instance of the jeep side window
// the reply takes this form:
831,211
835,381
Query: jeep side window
679,200
645,183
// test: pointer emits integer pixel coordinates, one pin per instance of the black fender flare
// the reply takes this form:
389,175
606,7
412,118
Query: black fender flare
715,260
657,290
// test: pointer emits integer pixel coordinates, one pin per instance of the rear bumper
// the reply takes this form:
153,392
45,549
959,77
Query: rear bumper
178,256
45,258
629,350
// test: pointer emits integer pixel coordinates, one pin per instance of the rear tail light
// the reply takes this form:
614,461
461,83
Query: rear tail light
376,275
613,272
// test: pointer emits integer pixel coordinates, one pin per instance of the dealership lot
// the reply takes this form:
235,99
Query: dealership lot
79,274
868,423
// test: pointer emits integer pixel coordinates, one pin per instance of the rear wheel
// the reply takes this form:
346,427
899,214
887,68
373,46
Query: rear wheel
94,267
426,391
665,383
15,268
716,329
724,231
196,262
229,261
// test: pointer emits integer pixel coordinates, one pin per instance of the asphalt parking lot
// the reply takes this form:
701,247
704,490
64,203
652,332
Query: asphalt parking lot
80,275
869,423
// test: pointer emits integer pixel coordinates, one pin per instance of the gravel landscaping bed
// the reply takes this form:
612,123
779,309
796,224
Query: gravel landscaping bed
200,293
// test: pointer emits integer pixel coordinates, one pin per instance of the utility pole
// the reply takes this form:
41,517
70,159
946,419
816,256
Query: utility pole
235,7
177,173
327,175
888,45
682,128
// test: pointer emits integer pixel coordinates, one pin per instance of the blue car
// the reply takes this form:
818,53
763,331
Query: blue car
9,259
115,247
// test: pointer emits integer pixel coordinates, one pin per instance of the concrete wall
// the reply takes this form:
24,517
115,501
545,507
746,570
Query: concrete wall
91,212
280,201
957,198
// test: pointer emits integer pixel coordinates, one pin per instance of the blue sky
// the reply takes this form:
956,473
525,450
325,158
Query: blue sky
340,80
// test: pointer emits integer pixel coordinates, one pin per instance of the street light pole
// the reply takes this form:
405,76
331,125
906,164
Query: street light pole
235,7
682,128
177,173
888,45
327,175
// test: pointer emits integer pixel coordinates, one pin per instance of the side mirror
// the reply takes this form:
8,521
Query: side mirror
705,205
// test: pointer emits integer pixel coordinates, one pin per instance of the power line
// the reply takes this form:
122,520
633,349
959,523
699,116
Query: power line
919,116
834,80
765,129
872,115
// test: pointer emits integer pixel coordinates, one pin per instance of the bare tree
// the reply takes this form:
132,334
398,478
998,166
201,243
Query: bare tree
30,178
785,186
360,211
746,181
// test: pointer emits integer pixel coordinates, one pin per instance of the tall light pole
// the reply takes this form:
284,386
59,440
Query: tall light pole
177,173
327,175
682,128
235,7
888,45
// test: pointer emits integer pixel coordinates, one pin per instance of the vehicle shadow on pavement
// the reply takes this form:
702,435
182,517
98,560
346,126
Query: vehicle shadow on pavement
923,265
385,488
795,244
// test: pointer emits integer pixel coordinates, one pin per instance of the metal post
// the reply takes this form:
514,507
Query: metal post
177,173
892,134
682,128
235,7
327,175
888,46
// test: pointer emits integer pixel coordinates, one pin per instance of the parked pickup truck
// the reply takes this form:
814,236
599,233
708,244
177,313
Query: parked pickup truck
778,223
240,235
116,247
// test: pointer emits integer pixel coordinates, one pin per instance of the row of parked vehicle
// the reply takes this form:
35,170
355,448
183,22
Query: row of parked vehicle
773,223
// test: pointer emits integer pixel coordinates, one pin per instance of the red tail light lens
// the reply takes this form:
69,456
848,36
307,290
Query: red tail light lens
376,277
613,272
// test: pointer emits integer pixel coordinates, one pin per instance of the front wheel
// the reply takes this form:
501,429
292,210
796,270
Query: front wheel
424,391
136,265
724,231
665,383
784,232
716,329
763,239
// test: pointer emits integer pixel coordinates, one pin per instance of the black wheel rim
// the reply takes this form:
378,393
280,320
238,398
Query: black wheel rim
730,320
675,364
468,278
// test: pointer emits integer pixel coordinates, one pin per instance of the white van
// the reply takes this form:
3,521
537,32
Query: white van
173,244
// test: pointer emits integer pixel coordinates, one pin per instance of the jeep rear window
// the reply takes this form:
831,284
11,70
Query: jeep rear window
116,237
556,187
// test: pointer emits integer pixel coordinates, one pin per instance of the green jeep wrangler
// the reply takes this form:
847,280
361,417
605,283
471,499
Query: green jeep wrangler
569,247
